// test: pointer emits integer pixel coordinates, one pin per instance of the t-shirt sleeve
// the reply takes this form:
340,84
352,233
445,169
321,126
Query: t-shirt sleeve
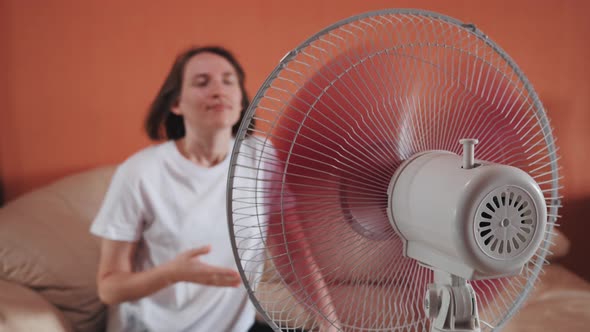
123,211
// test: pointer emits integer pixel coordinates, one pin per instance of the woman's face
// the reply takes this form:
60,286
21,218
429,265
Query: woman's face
210,99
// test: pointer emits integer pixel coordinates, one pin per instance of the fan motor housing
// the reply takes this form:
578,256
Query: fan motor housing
478,223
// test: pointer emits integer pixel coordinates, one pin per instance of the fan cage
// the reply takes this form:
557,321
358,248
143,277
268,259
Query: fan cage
440,56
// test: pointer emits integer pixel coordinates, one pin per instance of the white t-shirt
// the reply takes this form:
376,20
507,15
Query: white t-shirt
170,205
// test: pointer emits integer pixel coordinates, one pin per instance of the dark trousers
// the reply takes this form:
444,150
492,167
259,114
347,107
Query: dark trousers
262,327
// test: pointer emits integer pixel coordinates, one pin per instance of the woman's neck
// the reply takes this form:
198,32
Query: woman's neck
205,150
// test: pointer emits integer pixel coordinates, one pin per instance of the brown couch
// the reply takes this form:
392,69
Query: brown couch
48,263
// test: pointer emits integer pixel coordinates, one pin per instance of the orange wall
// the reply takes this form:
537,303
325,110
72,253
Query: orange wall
76,76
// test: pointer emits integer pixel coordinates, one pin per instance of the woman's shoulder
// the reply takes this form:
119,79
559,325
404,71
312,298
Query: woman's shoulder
256,153
146,159
258,146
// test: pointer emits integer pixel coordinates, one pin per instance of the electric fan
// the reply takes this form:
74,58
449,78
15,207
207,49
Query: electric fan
362,203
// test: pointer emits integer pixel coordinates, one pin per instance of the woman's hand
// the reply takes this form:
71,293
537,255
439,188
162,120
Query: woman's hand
117,282
188,267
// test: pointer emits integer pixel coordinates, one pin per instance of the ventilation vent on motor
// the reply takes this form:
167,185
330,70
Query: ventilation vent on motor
505,222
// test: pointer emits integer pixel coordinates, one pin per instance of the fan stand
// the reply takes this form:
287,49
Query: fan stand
450,301
451,305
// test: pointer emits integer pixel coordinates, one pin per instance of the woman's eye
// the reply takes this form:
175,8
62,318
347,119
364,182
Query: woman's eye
230,81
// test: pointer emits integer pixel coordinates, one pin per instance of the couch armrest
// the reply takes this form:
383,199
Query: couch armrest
560,302
23,310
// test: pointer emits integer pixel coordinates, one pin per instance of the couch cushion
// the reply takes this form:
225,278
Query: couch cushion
45,245
23,310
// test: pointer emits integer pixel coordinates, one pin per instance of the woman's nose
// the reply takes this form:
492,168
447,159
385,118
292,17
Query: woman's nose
216,89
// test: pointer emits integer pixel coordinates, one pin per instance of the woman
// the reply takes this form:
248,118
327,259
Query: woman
163,225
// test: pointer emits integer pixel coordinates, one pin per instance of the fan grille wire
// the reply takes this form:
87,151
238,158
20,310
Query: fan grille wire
348,106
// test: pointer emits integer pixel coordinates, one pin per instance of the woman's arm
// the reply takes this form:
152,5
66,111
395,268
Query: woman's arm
117,282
